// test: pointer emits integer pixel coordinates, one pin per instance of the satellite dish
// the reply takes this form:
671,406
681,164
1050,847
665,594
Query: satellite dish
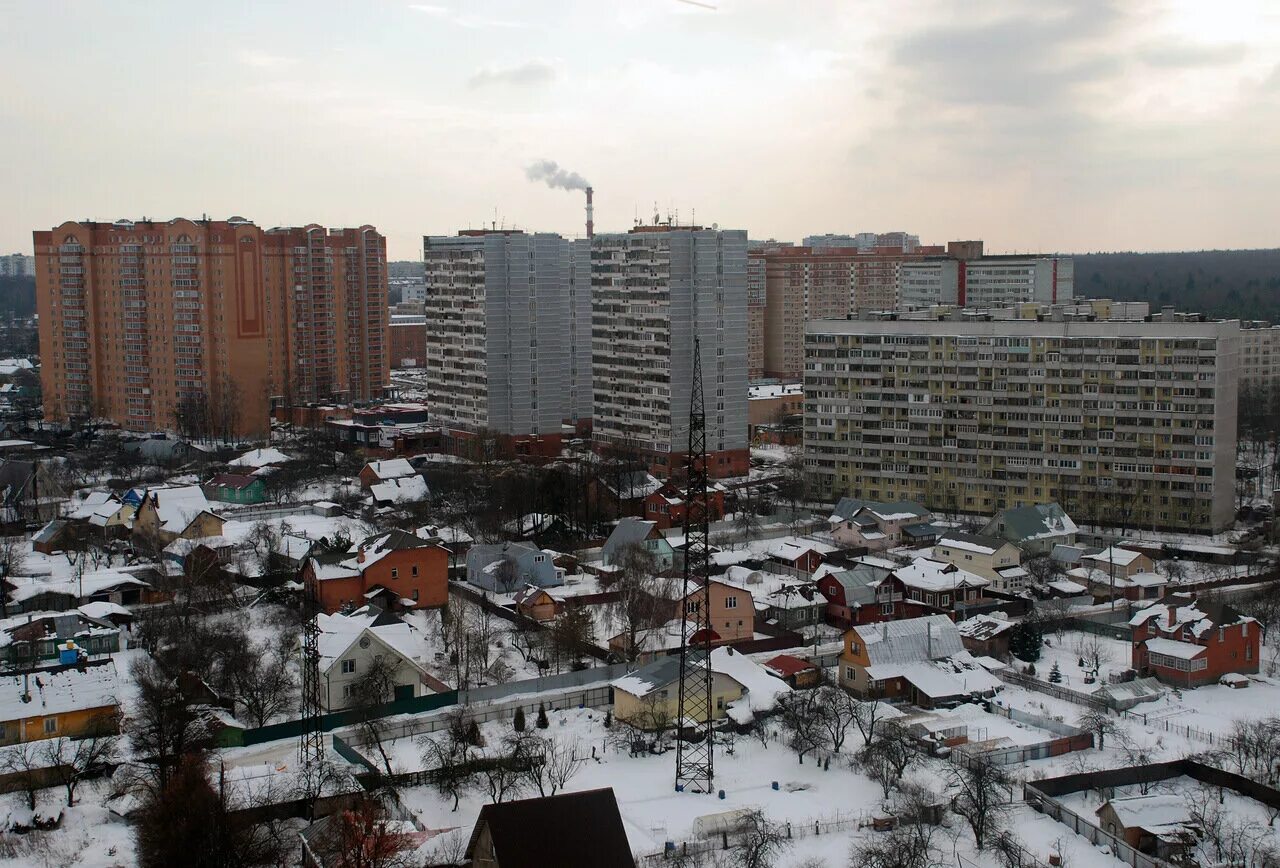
715,225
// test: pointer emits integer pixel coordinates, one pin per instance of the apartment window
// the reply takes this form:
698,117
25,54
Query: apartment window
348,667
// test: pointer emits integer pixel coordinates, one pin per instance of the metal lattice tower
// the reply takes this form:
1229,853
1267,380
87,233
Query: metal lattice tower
311,742
694,759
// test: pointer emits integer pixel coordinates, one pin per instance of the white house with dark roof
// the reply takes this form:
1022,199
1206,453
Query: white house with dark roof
997,560
351,645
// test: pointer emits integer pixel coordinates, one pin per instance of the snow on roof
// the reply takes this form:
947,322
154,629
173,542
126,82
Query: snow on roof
971,542
1148,580
392,468
1114,555
762,688
628,531
931,575
177,507
339,632
982,627
1174,648
92,502
1196,617
261,458
945,678
1012,572
761,391
1065,586
447,534
89,585
58,692
1149,811
403,489
101,610
791,549
1040,521
914,639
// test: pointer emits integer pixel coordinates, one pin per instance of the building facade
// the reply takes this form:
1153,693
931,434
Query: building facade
503,308
654,290
1128,423
1259,355
968,278
407,341
201,324
17,265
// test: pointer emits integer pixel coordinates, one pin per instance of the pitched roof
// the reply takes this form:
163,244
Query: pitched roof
896,510
786,665
403,489
1113,555
983,627
631,484
530,833
1039,521
931,575
1197,616
339,632
860,583
261,458
392,468
913,640
628,531
1151,812
232,480
178,506
58,692
972,542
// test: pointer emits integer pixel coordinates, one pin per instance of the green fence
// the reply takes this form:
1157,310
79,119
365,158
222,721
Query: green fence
296,728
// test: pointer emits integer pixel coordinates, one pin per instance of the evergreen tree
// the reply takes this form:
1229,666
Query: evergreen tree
1055,674
608,720
518,723
1025,641
542,721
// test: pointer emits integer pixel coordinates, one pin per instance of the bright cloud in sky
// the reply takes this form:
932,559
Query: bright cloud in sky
1049,126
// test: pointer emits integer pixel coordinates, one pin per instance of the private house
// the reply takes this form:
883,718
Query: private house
622,494
920,660
257,459
103,512
55,536
384,471
934,586
373,824
395,569
455,539
70,701
881,526
1188,642
802,555
664,639
633,531
28,495
854,596
1118,562
107,586
350,645
994,559
732,613
235,488
1035,529
784,600
165,514
161,451
401,490
649,697
1136,588
986,636
537,603
38,638
667,508
503,567
530,833
1159,824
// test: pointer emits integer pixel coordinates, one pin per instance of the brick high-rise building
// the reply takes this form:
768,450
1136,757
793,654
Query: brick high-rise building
198,325
1121,422
654,289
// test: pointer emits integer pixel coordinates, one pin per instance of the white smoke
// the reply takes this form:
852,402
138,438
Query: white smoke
549,172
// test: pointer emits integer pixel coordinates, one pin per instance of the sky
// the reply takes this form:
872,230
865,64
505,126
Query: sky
1035,126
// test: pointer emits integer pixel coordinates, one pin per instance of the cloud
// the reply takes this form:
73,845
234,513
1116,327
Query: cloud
264,59
1185,54
461,18
531,72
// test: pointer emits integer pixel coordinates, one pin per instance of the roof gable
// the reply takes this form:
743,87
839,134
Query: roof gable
531,833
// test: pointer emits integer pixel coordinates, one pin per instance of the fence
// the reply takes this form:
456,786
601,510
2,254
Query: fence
1070,739
1191,732
1010,677
1073,821
789,828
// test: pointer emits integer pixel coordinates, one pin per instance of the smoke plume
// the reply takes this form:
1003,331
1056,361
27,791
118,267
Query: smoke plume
549,171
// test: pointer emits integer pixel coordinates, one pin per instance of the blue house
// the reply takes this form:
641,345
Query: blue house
633,531
507,567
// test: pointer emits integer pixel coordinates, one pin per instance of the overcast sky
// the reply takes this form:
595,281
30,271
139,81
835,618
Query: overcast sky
1073,127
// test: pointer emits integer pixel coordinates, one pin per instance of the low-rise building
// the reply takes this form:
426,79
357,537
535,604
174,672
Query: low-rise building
384,471
1189,642
529,833
351,646
1036,529
666,507
800,554
935,586
504,567
996,560
235,488
170,513
635,532
881,526
854,596
649,697
731,610
70,701
1115,561
920,660
986,636
1160,824
395,568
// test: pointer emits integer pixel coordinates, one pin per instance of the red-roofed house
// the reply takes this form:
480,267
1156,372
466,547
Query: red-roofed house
796,671
235,488
667,507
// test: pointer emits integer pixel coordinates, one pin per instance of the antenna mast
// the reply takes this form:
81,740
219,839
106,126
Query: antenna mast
694,761
311,742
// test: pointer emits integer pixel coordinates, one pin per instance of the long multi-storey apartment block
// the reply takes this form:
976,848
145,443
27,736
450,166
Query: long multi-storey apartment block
968,278
503,311
200,324
654,290
1127,423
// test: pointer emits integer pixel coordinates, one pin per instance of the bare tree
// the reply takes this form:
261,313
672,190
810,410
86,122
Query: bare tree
762,842
800,715
641,596
368,837
265,685
24,764
373,689
980,798
449,761
866,715
1098,722
161,727
70,761
838,712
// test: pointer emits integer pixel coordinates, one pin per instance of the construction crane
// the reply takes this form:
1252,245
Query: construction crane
694,752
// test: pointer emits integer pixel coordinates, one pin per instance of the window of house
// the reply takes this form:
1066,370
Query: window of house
395,573
415,595
731,602
848,673
945,600
50,724
1248,655
691,607
348,667
886,608
719,703
413,570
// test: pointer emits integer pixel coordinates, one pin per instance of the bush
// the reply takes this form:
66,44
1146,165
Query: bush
518,723
608,720
542,722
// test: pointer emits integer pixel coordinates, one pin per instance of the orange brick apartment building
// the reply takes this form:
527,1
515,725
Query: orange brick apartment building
201,323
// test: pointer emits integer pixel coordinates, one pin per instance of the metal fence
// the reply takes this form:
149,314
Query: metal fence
792,829
1194,733
1031,683
1086,829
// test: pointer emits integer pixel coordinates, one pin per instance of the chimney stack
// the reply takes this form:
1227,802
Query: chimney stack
591,222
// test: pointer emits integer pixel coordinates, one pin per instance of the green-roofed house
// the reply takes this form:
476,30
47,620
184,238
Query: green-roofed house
1035,529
